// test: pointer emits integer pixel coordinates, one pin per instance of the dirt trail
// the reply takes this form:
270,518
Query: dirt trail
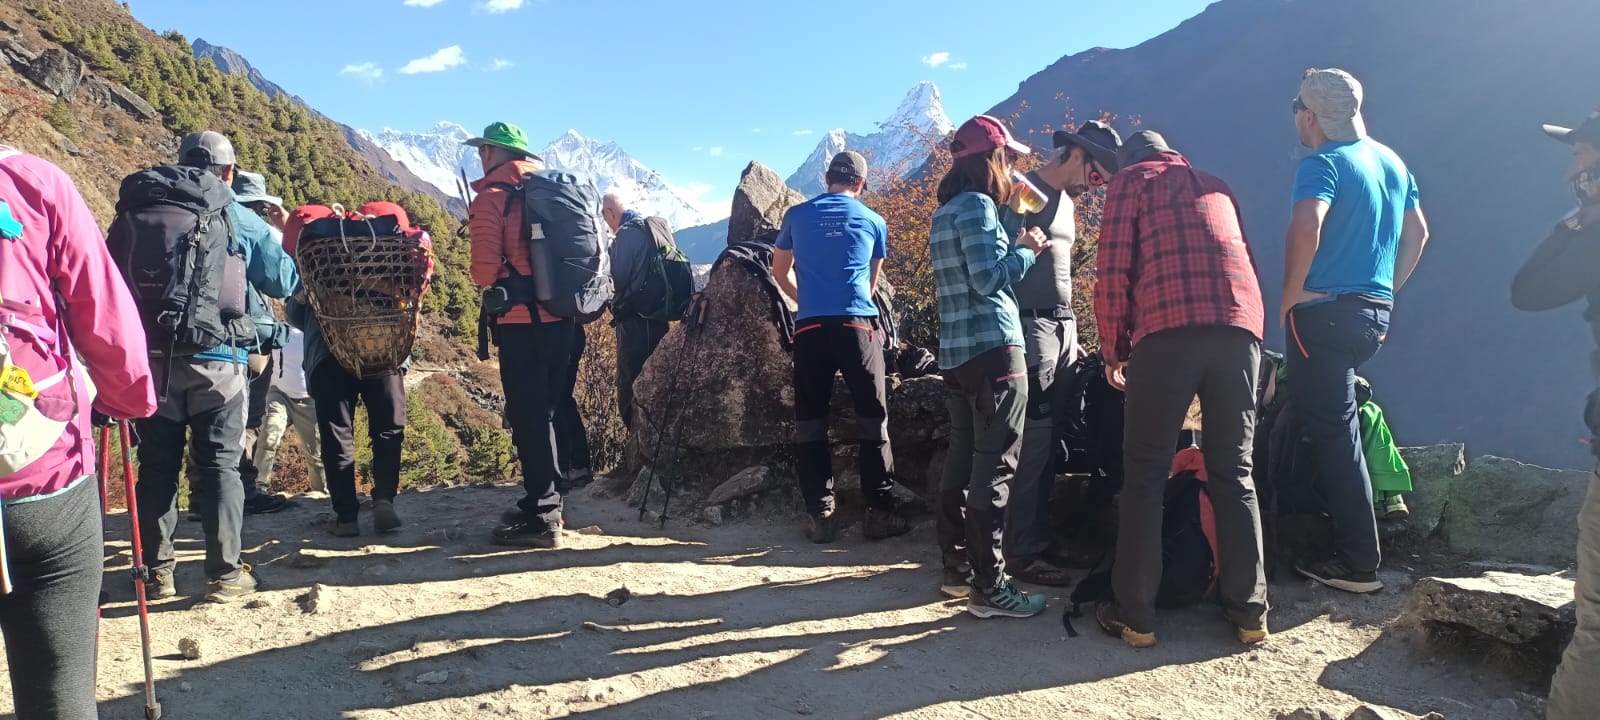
741,621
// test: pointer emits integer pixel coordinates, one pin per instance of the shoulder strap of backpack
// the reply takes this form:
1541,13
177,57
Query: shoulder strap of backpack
512,195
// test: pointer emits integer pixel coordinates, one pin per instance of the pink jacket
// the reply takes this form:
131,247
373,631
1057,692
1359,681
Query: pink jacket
62,243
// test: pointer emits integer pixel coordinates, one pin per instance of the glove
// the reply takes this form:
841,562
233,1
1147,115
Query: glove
100,419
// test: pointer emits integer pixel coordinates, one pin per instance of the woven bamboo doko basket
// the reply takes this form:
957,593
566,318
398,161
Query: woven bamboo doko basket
365,288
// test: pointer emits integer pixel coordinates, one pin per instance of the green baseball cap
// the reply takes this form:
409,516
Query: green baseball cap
504,135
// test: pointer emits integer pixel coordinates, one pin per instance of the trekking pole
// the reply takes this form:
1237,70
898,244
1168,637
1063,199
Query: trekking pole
152,709
102,473
691,324
694,322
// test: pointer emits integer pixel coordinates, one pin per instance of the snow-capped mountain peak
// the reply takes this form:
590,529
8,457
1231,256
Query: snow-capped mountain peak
438,156
897,148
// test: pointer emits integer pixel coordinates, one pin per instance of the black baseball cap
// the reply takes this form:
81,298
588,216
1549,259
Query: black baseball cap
1097,138
849,163
1586,132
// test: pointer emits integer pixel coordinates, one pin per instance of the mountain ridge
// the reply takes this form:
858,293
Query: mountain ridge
897,147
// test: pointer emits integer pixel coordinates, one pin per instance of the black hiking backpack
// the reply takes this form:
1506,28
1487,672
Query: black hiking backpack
669,283
1188,550
173,239
560,221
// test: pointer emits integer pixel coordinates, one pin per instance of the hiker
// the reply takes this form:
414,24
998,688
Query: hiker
975,264
1355,234
56,276
202,404
1081,161
634,254
289,403
334,391
572,438
1563,269
250,189
1180,313
535,345
828,258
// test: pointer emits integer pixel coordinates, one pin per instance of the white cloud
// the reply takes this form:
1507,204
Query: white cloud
422,3
936,59
715,150
501,64
697,148
958,66
800,133
438,62
502,6
367,72
697,191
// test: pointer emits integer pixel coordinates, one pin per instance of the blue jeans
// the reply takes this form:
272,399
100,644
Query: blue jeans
1327,342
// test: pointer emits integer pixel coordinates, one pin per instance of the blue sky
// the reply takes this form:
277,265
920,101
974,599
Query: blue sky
694,89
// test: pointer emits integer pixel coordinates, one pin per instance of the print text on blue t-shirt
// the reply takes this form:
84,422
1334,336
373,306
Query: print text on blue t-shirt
834,238
1368,191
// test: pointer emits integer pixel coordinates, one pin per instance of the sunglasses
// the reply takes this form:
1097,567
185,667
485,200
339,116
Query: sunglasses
1297,105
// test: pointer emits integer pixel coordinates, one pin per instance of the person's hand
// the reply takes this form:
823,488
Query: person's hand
276,216
100,420
1291,299
1034,239
1114,373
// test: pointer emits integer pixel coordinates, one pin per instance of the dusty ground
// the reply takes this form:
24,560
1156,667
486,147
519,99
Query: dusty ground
741,621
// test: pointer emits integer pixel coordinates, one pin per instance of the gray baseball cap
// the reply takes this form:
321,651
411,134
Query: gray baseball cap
1142,146
249,187
849,163
1335,96
204,149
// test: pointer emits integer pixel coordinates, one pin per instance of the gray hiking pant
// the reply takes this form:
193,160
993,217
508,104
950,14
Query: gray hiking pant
54,546
1166,371
205,399
1047,348
987,400
1575,693
282,412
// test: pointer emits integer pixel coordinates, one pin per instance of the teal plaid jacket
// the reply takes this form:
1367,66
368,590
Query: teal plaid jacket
975,261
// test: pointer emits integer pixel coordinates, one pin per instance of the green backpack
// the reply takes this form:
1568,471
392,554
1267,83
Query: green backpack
670,284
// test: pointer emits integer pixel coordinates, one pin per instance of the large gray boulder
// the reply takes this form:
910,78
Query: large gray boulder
759,204
58,71
1532,612
1434,469
1495,509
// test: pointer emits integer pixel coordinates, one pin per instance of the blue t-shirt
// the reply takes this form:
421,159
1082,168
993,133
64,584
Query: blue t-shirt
1368,191
834,238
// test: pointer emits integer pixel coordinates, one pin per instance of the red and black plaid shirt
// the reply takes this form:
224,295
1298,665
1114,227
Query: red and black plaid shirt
1172,254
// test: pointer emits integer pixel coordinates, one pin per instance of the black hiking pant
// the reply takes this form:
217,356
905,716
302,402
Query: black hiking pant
335,392
848,346
987,400
1167,370
54,547
533,366
572,438
637,339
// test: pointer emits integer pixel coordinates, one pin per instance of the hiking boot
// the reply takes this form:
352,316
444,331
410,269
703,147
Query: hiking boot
384,518
1393,508
159,585
1340,576
345,528
263,504
536,534
226,591
824,529
1252,637
1004,600
957,584
882,524
1110,620
1039,571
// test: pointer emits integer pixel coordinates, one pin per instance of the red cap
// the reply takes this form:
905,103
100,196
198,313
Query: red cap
982,134
380,208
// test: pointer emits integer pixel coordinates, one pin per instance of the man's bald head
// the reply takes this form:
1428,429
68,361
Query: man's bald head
612,206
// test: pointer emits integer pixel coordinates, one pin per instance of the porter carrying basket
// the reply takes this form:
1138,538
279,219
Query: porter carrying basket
364,279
